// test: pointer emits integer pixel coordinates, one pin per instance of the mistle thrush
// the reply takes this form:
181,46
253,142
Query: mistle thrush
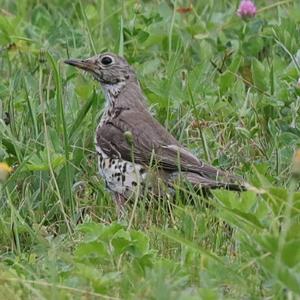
129,141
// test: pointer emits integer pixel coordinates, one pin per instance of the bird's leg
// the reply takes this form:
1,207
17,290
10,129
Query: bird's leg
120,205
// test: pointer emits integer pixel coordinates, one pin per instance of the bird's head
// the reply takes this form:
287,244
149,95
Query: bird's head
107,68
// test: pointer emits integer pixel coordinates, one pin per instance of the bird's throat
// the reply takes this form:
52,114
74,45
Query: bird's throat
112,91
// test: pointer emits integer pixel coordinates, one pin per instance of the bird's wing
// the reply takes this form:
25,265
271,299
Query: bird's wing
137,136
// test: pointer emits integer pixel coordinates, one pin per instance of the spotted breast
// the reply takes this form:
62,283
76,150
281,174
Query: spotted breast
120,176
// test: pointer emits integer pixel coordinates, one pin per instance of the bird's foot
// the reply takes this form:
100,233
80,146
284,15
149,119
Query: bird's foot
120,205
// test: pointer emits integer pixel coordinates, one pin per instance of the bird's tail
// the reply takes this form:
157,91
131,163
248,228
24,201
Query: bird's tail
227,186
210,184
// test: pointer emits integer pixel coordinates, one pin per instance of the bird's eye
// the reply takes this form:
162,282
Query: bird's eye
106,60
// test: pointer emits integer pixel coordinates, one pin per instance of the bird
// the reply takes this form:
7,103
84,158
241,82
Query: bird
134,150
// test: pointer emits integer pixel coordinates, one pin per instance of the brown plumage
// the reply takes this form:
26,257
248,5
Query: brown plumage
129,139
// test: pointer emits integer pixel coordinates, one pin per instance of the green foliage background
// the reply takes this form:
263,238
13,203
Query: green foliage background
225,87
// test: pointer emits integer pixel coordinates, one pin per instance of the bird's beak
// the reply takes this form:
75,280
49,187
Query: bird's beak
84,64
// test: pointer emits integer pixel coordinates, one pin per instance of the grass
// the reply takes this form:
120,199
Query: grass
225,87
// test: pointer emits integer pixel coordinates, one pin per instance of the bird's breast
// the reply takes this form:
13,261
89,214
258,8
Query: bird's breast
120,176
